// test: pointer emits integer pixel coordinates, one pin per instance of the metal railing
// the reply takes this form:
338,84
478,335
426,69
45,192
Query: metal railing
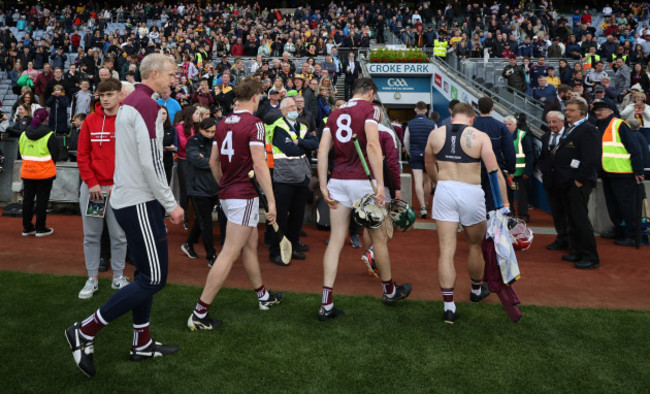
509,102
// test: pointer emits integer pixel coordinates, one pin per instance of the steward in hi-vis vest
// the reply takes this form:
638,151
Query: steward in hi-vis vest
622,173
292,144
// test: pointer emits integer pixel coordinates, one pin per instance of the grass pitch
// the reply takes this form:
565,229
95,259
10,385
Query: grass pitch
371,349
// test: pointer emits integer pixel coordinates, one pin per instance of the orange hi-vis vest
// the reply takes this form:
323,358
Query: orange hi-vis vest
37,161
269,154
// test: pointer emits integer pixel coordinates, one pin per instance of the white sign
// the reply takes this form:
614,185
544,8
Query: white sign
388,98
400,68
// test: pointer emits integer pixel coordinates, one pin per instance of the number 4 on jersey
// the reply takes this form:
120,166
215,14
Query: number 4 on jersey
226,147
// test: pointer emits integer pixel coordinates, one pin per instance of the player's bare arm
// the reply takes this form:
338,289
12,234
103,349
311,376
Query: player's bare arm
490,161
373,148
326,144
215,163
263,176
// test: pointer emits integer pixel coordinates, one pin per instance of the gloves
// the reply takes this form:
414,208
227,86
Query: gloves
504,211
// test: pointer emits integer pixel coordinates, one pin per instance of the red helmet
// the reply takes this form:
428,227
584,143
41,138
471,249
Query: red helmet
521,235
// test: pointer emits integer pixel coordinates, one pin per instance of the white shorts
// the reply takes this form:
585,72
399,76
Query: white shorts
241,211
458,202
347,191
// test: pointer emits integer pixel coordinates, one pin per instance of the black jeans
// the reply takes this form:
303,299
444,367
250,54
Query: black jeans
203,224
40,189
290,201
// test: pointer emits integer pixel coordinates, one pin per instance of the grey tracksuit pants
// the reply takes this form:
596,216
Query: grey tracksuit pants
93,227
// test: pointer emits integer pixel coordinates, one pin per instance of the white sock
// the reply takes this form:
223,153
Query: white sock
264,297
328,307
450,306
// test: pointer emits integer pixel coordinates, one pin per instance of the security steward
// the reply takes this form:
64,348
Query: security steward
291,143
622,170
440,46
524,160
575,166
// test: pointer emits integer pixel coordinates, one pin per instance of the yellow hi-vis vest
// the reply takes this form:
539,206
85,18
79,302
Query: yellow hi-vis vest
440,48
616,158
520,167
37,160
270,131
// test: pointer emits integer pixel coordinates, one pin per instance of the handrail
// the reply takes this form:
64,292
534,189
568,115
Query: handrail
517,103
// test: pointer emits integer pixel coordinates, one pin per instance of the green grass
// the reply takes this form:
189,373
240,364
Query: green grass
372,348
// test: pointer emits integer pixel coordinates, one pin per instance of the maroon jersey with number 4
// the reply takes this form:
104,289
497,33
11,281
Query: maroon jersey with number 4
350,119
234,137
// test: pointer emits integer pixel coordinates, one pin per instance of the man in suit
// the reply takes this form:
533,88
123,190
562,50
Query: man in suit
555,120
352,70
575,162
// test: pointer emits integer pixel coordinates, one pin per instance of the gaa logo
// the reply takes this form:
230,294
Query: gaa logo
397,83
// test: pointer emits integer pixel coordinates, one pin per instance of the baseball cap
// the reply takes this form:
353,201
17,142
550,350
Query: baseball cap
292,93
603,104
599,89
273,91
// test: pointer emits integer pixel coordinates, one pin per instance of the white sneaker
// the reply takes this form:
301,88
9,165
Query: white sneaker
120,282
89,289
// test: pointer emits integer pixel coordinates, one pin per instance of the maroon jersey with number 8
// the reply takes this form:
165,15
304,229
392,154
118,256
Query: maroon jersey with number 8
234,137
350,119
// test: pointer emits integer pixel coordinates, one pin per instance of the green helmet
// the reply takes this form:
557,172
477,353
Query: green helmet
402,215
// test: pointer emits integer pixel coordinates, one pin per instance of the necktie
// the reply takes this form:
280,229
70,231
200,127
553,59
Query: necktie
553,141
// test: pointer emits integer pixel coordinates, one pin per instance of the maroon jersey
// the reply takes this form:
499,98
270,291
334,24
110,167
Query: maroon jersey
350,119
235,134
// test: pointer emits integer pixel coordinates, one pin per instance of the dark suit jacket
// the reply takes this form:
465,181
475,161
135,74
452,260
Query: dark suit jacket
552,104
355,74
581,145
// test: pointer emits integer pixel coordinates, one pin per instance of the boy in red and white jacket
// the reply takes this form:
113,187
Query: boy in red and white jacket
96,161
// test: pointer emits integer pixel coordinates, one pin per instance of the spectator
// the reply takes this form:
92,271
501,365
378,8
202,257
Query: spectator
58,104
202,189
202,96
22,122
515,75
41,83
171,105
543,92
81,100
169,142
185,128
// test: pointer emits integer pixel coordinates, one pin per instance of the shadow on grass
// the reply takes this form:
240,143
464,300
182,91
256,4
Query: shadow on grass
372,348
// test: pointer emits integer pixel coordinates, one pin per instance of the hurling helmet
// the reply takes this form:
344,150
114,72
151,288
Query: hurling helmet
402,215
520,234
366,213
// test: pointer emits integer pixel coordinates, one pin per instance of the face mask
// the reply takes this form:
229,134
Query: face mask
292,115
